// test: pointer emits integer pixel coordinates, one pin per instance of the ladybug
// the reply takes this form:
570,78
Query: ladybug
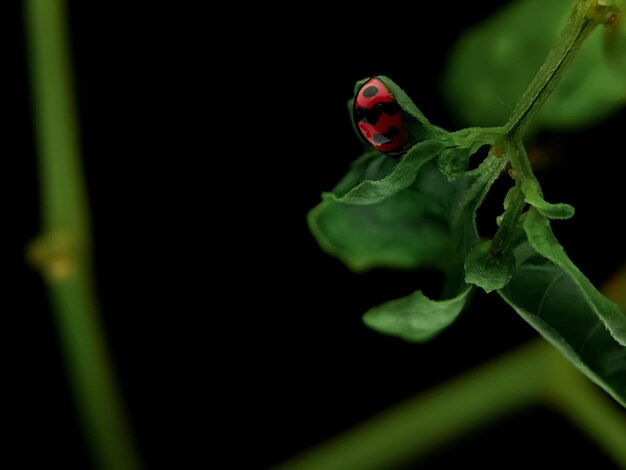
379,119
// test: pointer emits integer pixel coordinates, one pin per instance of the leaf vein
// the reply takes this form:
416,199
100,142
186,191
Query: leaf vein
545,294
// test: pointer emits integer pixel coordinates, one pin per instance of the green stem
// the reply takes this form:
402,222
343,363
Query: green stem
431,420
585,16
587,408
510,222
63,251
520,164
531,375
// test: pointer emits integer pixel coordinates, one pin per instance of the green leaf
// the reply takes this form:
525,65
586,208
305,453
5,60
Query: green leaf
408,230
407,105
468,194
372,165
400,177
429,223
395,233
416,318
553,301
489,270
542,239
493,63
533,196
531,188
454,161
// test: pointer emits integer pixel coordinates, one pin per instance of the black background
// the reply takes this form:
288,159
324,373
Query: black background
234,335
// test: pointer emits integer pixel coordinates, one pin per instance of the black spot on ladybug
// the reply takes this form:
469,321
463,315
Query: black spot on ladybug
370,91
387,137
372,115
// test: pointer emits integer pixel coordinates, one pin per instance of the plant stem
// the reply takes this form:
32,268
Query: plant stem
585,16
431,420
63,250
509,224
587,408
534,374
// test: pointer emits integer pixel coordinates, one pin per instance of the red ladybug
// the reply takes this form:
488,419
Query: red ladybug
378,117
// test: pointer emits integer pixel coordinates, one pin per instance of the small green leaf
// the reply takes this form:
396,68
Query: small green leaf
559,307
532,195
408,230
492,64
489,270
416,318
531,188
399,178
400,232
542,239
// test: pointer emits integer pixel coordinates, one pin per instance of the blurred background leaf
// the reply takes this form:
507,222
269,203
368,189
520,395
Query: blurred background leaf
492,64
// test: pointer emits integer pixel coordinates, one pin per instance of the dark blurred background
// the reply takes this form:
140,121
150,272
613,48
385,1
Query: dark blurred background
233,334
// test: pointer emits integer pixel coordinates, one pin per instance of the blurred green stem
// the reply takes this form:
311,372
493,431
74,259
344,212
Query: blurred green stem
587,408
63,252
431,420
533,374
585,16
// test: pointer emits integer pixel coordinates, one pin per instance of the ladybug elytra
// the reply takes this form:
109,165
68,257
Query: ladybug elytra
379,119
